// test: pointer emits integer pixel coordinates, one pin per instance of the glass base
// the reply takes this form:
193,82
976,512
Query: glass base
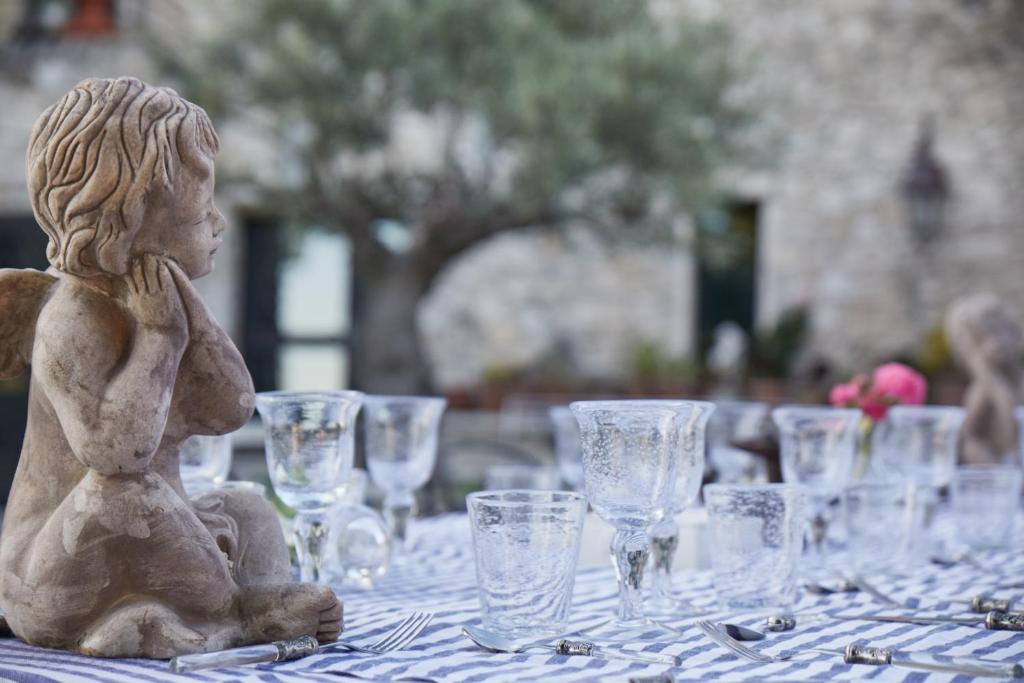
647,630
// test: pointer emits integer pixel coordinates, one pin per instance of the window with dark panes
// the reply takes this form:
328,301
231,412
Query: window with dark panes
297,307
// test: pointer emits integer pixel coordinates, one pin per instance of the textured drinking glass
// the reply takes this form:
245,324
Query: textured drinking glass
204,462
986,499
665,532
735,422
526,545
883,521
816,449
568,451
533,477
309,441
758,538
631,456
401,448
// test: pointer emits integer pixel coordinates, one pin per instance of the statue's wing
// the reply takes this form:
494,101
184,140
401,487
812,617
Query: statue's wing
22,294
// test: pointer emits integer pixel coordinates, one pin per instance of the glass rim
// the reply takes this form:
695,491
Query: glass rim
627,403
924,410
495,498
986,468
300,396
770,487
402,398
812,410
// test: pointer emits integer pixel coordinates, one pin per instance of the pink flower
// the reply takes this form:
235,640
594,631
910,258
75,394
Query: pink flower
847,395
897,383
874,404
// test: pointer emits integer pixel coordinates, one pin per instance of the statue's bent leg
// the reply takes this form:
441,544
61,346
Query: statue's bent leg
247,529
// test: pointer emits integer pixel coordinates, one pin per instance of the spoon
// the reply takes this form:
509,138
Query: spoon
498,643
842,586
742,632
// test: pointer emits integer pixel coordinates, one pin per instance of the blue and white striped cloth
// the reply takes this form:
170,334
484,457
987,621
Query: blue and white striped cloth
439,577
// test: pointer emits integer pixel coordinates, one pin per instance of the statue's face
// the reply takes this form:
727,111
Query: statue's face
184,224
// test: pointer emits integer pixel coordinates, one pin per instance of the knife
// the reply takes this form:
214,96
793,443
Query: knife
859,653
993,621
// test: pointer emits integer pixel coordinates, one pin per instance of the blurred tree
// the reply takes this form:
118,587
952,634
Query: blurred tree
538,111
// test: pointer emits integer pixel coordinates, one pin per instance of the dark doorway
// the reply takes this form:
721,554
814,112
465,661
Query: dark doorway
727,249
22,245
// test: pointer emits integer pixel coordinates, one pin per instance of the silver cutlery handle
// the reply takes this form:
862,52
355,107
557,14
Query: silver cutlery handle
863,654
278,651
1004,621
982,604
582,647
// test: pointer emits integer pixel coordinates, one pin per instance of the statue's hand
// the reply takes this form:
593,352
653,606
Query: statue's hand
154,298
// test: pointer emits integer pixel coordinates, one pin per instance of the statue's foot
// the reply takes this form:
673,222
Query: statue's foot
281,611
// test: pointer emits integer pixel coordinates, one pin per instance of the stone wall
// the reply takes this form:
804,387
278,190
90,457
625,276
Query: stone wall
843,87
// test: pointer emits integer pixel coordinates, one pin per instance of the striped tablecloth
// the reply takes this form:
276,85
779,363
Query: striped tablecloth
439,577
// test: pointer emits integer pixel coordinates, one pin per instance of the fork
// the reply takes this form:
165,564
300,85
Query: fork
304,646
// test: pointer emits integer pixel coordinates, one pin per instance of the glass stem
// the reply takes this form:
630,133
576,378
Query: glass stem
310,536
398,508
630,549
664,541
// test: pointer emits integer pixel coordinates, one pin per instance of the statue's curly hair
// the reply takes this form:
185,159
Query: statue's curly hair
95,157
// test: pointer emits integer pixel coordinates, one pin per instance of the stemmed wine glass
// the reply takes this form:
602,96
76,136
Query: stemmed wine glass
817,445
665,532
632,452
567,446
401,448
309,442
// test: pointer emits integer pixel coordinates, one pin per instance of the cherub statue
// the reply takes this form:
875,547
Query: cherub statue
989,344
101,550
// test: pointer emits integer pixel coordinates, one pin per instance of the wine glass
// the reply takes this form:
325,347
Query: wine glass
567,446
817,445
734,423
401,448
631,456
204,462
918,445
309,441
665,532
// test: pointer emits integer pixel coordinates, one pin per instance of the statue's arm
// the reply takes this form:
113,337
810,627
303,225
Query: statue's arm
110,381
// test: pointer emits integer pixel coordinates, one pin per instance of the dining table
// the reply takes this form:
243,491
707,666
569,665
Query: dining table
436,573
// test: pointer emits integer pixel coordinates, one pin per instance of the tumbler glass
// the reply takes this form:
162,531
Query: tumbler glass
204,462
526,545
986,499
758,540
309,442
883,524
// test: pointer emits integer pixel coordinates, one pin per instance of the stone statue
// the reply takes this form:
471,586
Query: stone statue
101,551
990,346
